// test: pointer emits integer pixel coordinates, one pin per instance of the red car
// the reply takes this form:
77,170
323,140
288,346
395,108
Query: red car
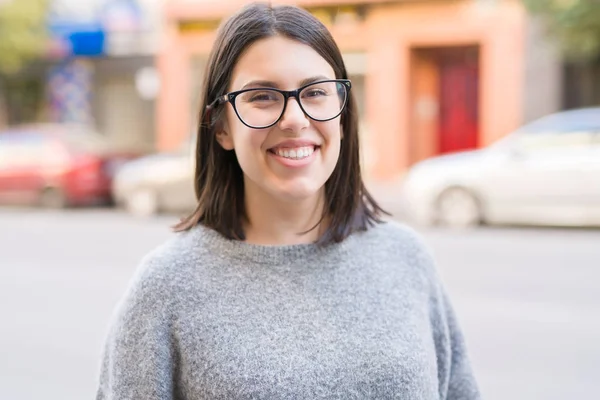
56,166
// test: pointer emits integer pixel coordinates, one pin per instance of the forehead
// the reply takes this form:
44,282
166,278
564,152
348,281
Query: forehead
284,61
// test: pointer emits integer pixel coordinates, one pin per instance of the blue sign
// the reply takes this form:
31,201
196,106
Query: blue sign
75,37
81,39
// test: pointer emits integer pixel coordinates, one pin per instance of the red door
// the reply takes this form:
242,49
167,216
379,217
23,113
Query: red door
459,88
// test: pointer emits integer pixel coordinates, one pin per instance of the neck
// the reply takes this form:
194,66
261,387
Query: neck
275,222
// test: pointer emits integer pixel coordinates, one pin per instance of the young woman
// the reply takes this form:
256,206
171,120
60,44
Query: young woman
285,282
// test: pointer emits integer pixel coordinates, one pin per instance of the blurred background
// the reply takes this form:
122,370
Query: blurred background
480,127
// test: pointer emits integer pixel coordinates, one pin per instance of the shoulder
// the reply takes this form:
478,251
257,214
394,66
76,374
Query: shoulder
401,243
165,268
397,235
395,229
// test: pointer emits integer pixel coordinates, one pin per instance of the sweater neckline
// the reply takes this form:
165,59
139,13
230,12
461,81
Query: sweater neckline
216,243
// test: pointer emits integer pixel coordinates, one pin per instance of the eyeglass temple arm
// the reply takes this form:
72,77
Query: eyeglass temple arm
217,101
209,108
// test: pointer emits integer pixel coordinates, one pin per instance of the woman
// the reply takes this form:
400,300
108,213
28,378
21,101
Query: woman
284,283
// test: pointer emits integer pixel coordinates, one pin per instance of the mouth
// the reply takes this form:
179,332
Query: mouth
294,153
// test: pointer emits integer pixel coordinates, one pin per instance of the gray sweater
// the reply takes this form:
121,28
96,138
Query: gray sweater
210,318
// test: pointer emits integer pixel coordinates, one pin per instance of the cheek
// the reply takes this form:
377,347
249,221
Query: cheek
248,147
330,130
332,134
246,140
249,141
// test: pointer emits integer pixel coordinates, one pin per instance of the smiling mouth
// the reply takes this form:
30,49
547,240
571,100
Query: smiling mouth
294,153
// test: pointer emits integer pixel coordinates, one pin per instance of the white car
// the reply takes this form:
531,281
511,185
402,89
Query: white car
545,173
158,183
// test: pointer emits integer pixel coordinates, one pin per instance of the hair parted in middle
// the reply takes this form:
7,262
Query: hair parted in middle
219,179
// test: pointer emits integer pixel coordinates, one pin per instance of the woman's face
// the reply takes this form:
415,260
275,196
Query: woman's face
292,159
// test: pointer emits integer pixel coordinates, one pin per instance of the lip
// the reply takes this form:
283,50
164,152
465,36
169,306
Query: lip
293,163
293,143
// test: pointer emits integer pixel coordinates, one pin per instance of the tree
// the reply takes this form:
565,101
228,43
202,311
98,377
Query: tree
575,23
23,39
22,33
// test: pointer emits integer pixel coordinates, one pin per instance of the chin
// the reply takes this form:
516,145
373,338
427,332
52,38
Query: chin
297,191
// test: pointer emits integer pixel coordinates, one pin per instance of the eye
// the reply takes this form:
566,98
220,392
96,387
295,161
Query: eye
260,96
314,92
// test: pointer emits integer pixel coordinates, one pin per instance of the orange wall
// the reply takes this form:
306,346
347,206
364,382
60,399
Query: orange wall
387,36
424,106
501,37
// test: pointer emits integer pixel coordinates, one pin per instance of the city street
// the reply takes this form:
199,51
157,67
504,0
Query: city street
528,300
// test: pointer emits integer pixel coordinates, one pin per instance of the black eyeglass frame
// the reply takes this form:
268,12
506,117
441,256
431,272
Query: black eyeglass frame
230,98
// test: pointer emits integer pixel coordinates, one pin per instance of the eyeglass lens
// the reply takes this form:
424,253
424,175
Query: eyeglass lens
262,107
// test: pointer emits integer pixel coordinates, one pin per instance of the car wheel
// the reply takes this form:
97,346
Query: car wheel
458,208
53,198
142,203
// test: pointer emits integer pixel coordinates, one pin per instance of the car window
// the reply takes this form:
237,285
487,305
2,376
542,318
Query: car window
28,149
5,153
18,150
85,140
542,141
565,122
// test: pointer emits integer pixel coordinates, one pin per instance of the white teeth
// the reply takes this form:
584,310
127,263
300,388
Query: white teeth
297,153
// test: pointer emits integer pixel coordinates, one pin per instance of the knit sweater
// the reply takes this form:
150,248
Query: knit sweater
206,317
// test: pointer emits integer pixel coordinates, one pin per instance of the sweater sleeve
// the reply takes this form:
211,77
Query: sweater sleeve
456,379
455,376
138,356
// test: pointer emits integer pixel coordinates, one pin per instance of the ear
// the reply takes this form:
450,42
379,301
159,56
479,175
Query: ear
225,139
223,136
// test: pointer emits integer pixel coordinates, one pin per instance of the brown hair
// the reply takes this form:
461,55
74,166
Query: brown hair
219,182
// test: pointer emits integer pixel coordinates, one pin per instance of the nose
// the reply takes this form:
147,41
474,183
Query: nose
293,118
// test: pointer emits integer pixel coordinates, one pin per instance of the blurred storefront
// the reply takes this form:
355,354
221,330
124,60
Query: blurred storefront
430,76
103,72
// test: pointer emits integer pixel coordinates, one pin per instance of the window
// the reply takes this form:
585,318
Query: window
554,140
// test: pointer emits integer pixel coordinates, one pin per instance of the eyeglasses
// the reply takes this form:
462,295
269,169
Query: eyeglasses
260,108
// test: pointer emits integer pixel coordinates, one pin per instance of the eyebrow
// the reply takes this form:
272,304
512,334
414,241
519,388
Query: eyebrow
271,84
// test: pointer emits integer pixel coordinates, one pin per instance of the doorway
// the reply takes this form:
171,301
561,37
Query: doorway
444,100
459,97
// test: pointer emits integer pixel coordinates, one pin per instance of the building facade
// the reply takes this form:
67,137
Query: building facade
430,77
103,71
